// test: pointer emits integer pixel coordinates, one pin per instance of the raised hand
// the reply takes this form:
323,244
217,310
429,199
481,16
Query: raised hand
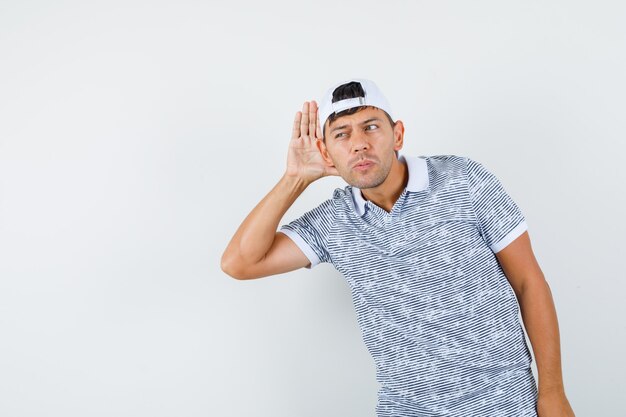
304,159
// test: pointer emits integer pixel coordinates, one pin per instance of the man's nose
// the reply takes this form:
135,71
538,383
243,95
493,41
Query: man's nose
359,142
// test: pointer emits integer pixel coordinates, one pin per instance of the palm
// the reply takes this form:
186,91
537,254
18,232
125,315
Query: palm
304,158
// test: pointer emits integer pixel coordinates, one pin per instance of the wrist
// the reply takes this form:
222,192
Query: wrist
295,181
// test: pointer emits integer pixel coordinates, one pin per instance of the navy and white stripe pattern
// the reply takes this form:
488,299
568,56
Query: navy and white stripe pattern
436,311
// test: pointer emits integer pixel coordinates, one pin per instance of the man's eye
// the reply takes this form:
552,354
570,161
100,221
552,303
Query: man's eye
339,134
368,127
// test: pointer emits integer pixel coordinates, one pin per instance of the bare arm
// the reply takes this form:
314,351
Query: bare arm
257,233
257,249
539,315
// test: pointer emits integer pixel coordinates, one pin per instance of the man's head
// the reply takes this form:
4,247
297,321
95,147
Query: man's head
357,125
348,98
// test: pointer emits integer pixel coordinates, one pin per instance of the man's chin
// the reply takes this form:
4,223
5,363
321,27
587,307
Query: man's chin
363,185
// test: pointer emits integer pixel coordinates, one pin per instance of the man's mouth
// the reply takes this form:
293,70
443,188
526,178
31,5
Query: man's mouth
363,165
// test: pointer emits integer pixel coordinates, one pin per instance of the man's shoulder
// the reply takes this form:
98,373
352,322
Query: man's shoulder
446,160
334,204
447,165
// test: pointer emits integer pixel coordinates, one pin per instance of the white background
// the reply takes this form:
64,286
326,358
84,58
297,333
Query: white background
136,136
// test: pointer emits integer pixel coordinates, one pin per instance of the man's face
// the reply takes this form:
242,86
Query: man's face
366,135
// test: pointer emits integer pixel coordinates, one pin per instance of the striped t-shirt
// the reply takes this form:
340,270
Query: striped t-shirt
435,308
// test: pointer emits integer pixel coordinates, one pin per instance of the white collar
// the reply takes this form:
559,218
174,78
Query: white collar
418,180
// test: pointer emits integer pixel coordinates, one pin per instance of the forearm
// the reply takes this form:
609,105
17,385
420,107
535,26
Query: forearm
255,235
539,315
540,321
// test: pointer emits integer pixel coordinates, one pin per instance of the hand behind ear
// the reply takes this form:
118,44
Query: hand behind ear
304,158
330,166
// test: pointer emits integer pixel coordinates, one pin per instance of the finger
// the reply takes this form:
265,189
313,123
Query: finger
295,133
312,118
304,123
318,129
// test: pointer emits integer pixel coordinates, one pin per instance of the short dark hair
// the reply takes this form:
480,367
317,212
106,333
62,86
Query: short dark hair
352,89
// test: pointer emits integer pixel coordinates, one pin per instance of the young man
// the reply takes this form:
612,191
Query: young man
436,253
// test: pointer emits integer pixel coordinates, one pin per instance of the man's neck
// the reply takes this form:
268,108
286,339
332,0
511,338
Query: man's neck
387,193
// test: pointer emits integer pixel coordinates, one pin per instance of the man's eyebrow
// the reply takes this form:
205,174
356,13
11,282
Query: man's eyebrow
371,119
338,127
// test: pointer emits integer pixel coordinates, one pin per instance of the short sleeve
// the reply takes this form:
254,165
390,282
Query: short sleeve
309,232
500,220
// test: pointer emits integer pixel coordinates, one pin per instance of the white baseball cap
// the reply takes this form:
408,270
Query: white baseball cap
373,97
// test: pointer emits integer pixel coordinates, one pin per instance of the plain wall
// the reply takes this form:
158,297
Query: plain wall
136,136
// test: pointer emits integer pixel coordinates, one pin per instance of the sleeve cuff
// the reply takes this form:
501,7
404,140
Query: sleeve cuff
510,237
304,247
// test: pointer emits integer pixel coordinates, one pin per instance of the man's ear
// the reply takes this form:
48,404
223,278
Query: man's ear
398,135
321,146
